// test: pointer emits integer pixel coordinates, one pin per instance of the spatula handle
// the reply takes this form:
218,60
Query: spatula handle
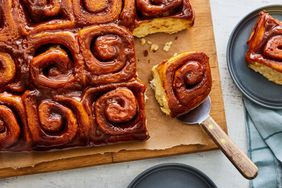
239,159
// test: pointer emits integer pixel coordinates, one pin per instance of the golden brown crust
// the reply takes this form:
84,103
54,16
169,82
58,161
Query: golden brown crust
265,43
186,81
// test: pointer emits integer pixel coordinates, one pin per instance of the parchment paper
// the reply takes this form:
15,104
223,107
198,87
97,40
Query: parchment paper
165,132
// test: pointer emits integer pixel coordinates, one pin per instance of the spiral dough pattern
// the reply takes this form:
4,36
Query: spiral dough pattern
51,124
187,81
108,51
117,111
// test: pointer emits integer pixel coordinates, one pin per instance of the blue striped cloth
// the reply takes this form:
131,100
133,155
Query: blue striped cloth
265,144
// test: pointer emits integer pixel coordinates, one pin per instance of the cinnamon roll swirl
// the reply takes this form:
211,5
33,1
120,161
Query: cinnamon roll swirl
57,122
14,134
96,12
109,54
54,60
8,29
182,82
154,16
265,48
13,71
41,15
117,112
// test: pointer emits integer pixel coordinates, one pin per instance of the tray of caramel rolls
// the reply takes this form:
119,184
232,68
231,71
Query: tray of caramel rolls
254,56
76,81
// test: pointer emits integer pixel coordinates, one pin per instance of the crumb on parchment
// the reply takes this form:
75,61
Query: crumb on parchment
154,47
167,46
143,41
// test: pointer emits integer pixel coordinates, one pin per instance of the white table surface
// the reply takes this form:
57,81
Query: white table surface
226,14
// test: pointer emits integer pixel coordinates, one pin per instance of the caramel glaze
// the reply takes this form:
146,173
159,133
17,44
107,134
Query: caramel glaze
14,72
89,12
187,82
8,27
57,122
36,16
138,11
109,56
68,72
265,42
118,111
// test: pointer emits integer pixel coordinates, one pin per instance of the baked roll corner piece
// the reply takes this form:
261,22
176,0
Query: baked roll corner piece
182,82
156,16
265,48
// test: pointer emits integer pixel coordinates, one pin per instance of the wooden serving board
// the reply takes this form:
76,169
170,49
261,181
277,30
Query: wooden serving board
199,38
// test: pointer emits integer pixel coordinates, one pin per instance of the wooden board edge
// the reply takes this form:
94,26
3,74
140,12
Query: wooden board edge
100,159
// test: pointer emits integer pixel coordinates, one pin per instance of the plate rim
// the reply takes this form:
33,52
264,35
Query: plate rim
155,168
229,61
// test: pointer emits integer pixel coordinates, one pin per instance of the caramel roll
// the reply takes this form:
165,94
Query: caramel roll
54,60
14,134
109,54
117,112
41,15
96,12
8,29
265,48
182,82
154,16
55,123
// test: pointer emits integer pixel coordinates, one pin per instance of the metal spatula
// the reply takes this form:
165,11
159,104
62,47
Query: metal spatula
201,116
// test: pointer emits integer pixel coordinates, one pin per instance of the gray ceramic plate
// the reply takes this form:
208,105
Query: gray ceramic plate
172,175
253,85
